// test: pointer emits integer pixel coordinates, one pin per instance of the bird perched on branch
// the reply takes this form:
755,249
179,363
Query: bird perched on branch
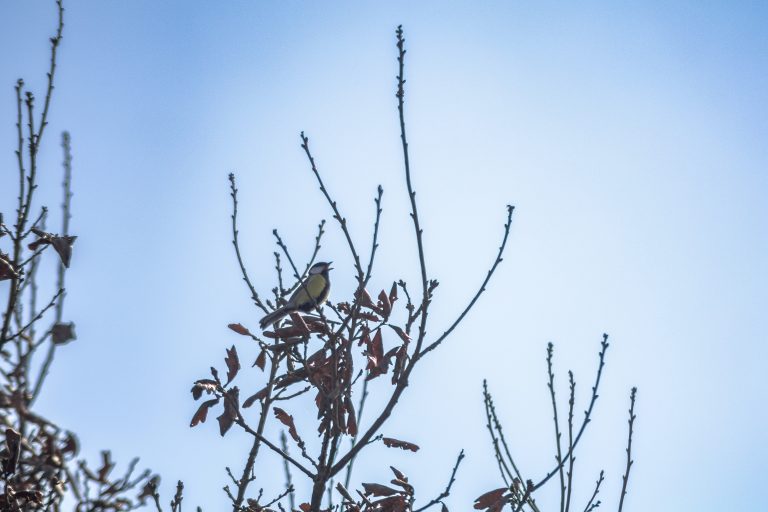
310,294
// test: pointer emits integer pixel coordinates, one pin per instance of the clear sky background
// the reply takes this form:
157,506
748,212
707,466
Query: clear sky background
630,136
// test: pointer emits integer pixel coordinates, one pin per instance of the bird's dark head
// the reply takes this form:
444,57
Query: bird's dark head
320,267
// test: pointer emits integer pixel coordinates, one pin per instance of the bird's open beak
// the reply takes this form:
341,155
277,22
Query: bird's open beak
329,267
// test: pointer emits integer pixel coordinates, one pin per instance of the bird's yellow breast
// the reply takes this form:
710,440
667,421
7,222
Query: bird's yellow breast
310,292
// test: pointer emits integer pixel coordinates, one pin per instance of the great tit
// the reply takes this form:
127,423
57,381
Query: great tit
310,294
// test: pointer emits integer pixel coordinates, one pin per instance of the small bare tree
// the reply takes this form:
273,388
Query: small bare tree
39,465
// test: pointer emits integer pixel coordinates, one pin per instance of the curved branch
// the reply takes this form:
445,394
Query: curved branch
336,214
235,242
499,259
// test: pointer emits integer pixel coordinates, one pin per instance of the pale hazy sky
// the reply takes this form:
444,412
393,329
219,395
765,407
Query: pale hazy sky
630,136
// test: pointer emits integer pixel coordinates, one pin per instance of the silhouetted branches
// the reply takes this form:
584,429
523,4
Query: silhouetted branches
364,344
40,469
513,493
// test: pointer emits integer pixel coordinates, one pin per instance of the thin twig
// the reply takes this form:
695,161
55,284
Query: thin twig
66,144
273,447
592,504
571,401
287,469
447,491
352,442
37,317
551,386
631,421
235,242
506,474
498,260
336,214
587,414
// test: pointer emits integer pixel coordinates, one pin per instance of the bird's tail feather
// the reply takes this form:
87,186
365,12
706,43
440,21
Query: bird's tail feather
273,317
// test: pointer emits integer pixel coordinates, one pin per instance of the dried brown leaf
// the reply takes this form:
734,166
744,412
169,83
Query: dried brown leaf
61,333
233,363
261,360
106,466
202,412
396,443
287,420
386,306
203,385
490,499
258,396
13,445
379,490
239,329
401,333
230,414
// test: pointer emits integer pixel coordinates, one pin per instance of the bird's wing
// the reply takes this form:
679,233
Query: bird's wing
314,285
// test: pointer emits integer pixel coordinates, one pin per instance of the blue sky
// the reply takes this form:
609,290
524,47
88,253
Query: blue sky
630,136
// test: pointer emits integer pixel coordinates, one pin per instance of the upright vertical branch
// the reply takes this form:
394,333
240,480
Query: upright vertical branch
66,216
287,469
571,402
551,386
411,193
587,414
26,190
631,421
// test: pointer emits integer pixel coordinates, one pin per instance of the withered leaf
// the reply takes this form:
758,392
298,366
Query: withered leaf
230,414
61,333
386,306
379,490
13,444
396,443
365,299
261,360
287,420
6,267
61,244
298,322
233,363
203,385
286,332
369,316
443,508
106,466
70,445
378,364
202,412
490,499
393,294
398,474
401,333
305,507
239,329
258,396
150,488
400,357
